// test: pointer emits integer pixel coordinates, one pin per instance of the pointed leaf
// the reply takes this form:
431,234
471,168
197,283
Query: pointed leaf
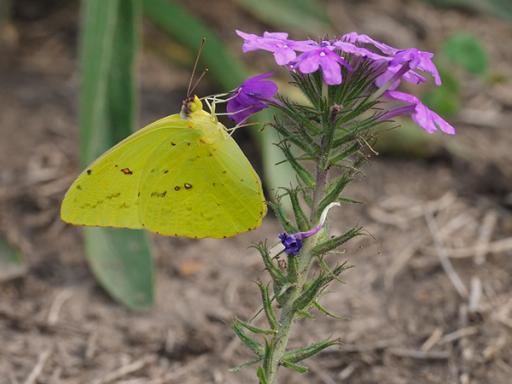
120,259
249,342
299,354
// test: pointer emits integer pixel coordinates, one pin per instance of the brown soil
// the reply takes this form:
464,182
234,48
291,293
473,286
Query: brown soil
404,320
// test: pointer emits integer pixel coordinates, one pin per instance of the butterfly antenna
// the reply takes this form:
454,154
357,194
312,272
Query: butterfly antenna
203,40
190,91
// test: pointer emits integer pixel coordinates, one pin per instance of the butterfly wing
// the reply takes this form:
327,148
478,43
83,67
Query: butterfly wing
106,193
201,186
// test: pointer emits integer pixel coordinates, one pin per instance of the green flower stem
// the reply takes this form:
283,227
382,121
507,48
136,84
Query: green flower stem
279,342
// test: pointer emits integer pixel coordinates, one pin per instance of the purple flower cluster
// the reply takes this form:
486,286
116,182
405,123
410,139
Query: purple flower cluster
330,56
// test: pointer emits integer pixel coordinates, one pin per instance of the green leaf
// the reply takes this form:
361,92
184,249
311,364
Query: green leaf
273,270
260,373
120,258
326,312
309,294
296,367
11,262
245,365
304,175
249,342
121,261
300,217
280,213
465,50
267,306
299,354
330,244
333,191
186,29
255,329
306,16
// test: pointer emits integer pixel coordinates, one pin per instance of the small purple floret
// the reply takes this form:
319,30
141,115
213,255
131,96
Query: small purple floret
420,113
292,243
325,59
277,43
250,97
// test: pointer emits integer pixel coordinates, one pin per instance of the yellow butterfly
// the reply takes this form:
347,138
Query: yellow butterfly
182,175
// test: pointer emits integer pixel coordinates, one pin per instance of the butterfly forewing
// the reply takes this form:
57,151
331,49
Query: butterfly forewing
201,188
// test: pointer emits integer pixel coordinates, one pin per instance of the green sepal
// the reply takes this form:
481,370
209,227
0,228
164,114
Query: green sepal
335,242
333,191
249,342
296,367
299,354
300,217
276,274
245,365
286,224
262,377
267,306
255,329
301,172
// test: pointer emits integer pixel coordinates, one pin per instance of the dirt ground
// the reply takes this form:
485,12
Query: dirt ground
407,319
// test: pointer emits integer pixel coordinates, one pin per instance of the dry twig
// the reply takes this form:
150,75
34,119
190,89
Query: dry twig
38,368
443,257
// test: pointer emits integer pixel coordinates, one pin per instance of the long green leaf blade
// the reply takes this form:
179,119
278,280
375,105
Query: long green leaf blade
120,258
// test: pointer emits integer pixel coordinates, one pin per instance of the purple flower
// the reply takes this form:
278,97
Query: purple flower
420,113
411,59
277,43
397,58
292,243
417,59
325,59
250,97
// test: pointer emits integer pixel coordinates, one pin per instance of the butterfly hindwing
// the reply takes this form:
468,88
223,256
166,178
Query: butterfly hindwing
106,193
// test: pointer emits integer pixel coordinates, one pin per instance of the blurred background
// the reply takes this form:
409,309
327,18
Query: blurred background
429,299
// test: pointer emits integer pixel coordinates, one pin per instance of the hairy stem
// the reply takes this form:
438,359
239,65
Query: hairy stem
279,342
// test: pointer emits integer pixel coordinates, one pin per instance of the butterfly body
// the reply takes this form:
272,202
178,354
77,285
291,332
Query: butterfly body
182,175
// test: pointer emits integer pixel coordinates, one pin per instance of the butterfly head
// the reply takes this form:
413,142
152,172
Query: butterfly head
190,105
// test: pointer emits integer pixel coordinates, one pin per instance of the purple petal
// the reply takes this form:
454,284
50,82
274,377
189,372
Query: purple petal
284,56
422,115
276,35
308,62
354,37
358,51
331,70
